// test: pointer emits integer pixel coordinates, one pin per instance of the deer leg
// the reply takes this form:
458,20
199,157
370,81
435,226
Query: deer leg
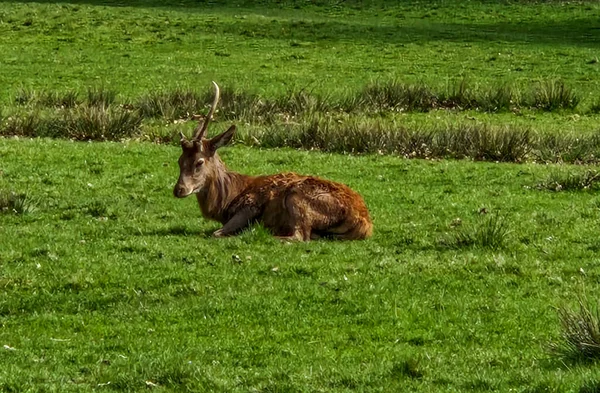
238,222
296,237
299,218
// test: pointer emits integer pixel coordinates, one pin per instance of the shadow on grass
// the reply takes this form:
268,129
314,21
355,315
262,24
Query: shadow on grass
178,230
577,31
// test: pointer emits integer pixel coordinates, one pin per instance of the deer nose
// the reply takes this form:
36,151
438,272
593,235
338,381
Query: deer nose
179,191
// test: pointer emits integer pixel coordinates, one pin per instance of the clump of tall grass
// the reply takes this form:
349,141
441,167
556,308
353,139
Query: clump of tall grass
22,123
237,105
169,105
395,96
301,102
498,99
461,96
491,233
65,100
551,95
580,338
100,97
16,203
561,181
99,123
483,143
47,99
81,123
185,104
568,148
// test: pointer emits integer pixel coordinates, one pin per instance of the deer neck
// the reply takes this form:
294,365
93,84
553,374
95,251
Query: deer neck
221,188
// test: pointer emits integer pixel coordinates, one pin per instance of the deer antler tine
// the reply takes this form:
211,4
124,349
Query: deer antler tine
203,126
182,135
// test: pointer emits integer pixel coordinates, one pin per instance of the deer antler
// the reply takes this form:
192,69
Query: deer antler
203,125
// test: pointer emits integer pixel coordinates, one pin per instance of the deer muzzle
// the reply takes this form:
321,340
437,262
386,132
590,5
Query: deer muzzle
181,191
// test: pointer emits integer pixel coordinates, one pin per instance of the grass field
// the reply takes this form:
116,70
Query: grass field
269,46
108,283
110,279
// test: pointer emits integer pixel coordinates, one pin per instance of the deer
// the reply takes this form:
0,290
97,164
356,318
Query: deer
292,207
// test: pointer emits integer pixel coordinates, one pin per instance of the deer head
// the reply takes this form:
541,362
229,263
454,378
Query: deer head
199,164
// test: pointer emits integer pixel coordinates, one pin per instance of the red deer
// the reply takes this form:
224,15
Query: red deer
291,206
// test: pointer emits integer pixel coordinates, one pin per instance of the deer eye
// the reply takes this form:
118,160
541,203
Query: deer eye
199,163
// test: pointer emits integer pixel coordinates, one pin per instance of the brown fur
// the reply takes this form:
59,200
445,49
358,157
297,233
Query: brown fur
291,206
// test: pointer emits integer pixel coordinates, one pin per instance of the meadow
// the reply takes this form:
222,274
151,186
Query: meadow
470,128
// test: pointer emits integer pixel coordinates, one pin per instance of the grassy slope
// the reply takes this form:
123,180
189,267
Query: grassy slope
271,49
113,280
137,48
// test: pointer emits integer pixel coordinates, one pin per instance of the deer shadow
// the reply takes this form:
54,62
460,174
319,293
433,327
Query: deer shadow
179,230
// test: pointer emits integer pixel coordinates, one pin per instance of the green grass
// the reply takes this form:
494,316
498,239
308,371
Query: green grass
111,279
139,46
108,283
360,66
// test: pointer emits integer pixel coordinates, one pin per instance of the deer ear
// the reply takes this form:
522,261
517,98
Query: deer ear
222,139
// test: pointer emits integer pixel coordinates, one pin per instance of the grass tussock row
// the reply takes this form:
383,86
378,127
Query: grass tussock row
550,95
472,141
346,134
79,123
479,142
307,121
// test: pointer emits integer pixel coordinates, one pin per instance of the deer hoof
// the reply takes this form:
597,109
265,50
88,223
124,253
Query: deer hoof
219,233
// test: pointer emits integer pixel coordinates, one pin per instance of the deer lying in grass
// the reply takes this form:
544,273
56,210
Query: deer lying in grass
291,206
